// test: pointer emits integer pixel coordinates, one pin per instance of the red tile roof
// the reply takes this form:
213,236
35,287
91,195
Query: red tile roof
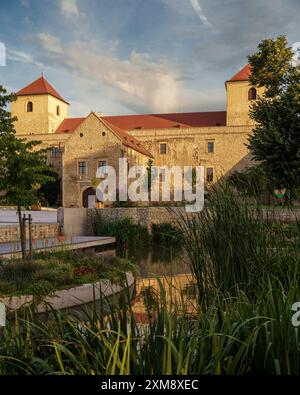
167,121
40,87
128,141
68,125
242,75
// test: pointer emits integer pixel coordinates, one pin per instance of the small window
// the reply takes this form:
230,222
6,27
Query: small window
29,107
163,148
57,111
55,152
209,174
82,168
252,94
102,164
210,147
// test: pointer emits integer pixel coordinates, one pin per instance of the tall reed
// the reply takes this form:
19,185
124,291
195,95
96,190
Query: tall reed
234,335
233,244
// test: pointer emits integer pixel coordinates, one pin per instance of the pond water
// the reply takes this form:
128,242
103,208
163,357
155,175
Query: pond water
160,266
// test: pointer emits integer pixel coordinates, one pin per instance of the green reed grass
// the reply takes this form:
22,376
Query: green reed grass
235,335
247,275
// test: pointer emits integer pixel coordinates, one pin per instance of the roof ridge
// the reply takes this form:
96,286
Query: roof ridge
125,136
243,74
40,86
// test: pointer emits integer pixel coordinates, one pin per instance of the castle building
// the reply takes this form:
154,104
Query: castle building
78,146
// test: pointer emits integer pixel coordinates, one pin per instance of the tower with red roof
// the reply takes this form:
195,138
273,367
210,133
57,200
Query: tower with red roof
39,108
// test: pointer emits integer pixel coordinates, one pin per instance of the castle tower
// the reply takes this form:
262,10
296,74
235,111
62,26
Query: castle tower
39,108
240,94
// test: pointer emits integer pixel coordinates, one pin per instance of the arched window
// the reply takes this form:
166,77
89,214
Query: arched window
29,107
252,94
57,111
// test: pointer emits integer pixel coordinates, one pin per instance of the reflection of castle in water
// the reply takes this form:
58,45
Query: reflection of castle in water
179,290
160,266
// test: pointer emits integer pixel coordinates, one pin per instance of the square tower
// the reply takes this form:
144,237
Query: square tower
39,108
240,95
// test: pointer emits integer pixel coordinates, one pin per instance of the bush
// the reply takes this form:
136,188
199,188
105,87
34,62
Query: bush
166,234
124,230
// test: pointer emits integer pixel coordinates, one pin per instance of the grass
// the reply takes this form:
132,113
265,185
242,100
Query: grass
247,272
49,272
231,245
235,335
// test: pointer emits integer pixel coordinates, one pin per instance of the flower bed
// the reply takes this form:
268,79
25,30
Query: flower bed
51,272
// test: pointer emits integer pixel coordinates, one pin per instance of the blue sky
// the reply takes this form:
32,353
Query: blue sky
138,56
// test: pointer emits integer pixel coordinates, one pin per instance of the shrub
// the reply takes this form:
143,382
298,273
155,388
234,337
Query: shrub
124,230
166,234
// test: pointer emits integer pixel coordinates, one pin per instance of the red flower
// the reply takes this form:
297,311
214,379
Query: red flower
82,270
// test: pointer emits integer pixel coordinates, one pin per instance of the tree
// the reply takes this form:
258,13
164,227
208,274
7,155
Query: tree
252,182
22,166
275,140
50,192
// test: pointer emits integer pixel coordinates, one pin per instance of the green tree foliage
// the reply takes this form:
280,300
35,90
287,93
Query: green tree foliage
276,137
23,167
252,182
50,192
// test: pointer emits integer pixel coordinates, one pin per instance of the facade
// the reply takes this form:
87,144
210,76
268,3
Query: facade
77,146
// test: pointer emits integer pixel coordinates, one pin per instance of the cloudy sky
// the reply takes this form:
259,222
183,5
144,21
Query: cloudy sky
138,56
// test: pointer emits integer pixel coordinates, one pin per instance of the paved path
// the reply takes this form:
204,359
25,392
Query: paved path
9,217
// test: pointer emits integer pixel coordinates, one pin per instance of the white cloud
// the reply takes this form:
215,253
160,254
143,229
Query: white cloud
138,79
21,56
198,9
69,8
50,43
25,3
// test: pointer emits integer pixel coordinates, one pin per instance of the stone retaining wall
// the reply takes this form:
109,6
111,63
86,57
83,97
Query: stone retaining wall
76,222
145,216
72,297
39,231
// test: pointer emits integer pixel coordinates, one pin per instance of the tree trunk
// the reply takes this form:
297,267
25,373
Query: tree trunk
22,234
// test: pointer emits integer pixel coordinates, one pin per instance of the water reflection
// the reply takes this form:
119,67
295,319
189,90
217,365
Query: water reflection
156,260
164,267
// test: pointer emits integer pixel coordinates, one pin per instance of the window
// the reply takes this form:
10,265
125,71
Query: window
29,107
57,111
209,174
252,94
82,168
163,148
210,147
102,164
55,152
